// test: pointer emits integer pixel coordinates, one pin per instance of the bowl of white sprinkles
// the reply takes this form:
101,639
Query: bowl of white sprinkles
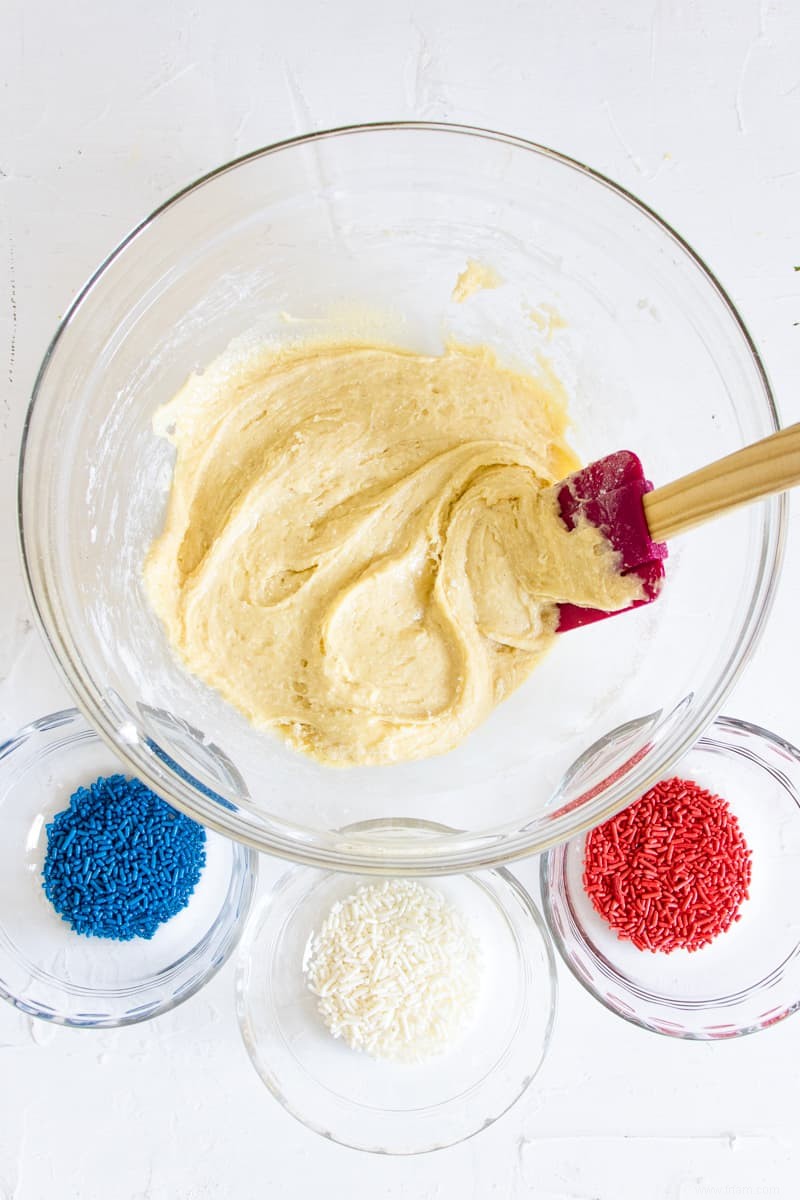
394,1015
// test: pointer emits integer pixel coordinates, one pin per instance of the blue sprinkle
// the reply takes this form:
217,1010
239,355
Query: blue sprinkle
120,862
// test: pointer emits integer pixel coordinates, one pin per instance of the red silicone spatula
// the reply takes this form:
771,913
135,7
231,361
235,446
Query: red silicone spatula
614,496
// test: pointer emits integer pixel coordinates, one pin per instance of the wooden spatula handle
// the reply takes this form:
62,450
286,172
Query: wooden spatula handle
768,466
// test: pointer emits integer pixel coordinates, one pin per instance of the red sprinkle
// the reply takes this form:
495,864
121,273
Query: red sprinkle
671,871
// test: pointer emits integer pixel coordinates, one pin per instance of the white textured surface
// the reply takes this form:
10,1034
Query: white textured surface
106,109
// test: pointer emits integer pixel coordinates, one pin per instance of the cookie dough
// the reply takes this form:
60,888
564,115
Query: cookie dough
360,549
476,277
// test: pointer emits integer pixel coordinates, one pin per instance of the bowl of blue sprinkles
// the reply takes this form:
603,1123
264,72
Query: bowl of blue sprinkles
114,907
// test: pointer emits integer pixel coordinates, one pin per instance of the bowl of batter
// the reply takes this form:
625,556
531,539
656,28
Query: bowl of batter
287,478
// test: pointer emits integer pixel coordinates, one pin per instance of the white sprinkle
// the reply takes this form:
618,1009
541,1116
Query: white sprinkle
413,971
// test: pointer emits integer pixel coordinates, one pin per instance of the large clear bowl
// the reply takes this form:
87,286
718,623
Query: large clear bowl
371,226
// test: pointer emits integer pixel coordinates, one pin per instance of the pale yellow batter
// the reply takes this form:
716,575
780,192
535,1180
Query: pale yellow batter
360,550
476,277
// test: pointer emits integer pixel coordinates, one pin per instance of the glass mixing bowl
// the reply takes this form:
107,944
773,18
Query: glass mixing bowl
367,228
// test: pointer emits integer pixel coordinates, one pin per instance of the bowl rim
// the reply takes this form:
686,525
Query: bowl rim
464,850
718,737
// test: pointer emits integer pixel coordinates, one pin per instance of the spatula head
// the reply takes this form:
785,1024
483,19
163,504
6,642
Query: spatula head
608,493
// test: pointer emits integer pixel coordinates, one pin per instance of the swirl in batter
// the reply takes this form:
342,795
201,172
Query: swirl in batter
360,548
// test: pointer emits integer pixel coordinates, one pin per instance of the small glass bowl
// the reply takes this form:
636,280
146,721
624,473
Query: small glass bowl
749,977
386,1107
46,969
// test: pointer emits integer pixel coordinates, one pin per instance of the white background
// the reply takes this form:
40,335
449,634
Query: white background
106,109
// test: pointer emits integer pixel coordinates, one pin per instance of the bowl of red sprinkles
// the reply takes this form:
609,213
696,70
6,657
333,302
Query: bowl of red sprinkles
682,913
